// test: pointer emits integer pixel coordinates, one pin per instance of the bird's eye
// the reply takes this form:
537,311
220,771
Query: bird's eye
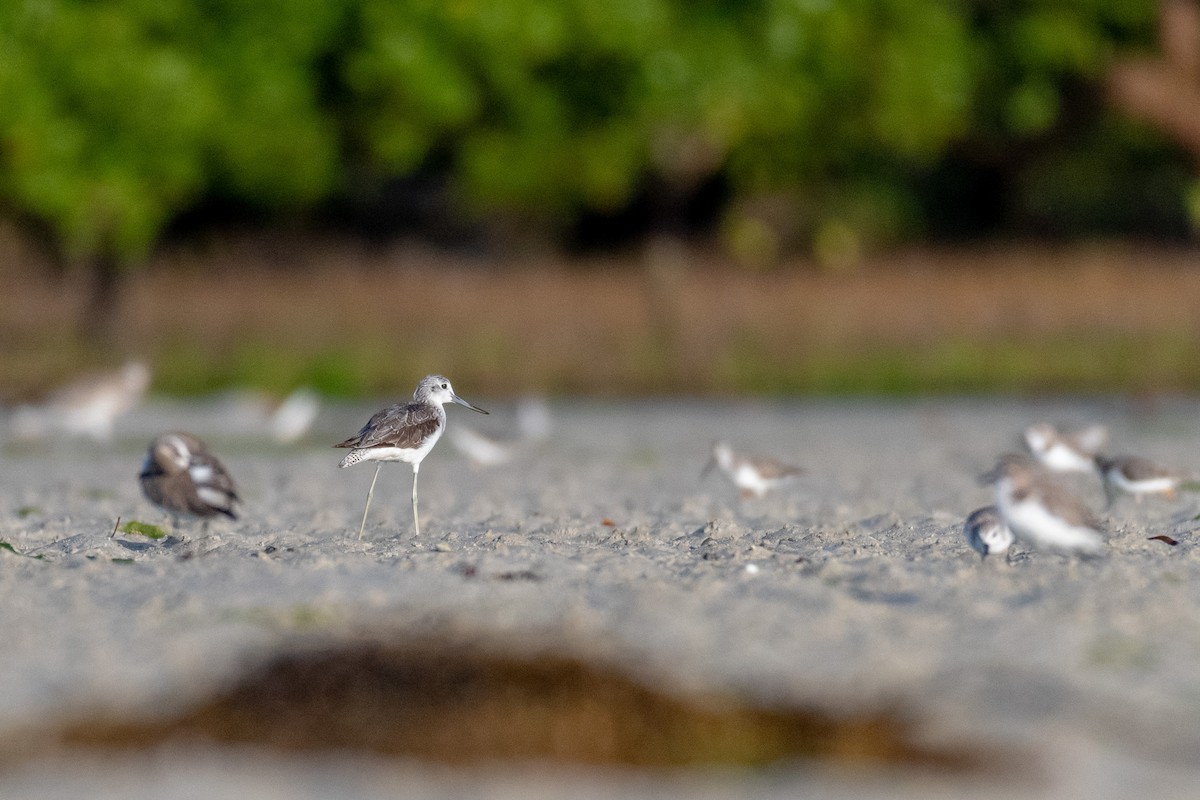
444,386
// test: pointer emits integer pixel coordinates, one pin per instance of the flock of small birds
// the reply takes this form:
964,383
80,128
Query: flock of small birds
182,476
1035,509
179,474
1030,507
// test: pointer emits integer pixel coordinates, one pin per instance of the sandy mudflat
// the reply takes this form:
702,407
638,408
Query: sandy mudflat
860,594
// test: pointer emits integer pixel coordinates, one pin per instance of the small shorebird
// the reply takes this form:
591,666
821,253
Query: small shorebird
754,475
183,477
86,407
1041,512
1065,451
986,532
1135,476
533,427
404,432
295,415
480,450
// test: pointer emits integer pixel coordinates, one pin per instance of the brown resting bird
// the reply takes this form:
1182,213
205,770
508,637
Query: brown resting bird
183,477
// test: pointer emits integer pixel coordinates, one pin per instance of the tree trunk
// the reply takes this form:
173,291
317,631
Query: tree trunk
1165,90
101,307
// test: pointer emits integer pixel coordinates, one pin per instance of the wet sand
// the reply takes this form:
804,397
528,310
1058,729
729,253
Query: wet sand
853,590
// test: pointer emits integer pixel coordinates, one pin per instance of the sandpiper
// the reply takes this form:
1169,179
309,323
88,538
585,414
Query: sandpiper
404,432
1041,512
1135,476
987,533
295,415
87,407
1065,451
480,450
755,475
183,477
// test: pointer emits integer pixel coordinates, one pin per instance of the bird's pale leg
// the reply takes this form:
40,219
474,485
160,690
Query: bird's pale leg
416,521
370,492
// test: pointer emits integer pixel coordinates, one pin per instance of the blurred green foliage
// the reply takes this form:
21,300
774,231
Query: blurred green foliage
116,116
850,117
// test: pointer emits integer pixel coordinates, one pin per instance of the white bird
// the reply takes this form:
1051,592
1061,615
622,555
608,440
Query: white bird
1065,451
295,416
481,450
1135,476
755,475
404,432
986,532
1041,512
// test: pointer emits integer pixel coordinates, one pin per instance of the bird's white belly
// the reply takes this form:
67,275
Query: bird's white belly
746,477
1147,486
409,455
1031,521
1061,458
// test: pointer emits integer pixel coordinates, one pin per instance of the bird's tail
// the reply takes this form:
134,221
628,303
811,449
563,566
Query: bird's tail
351,458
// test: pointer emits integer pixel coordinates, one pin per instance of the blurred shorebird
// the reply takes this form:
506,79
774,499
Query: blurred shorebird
87,407
533,426
987,533
1041,512
480,450
183,477
295,415
1065,451
1135,476
754,475
404,432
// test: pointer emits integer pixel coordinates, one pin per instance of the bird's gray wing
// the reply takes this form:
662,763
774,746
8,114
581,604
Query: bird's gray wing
771,468
1140,469
396,426
1067,507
